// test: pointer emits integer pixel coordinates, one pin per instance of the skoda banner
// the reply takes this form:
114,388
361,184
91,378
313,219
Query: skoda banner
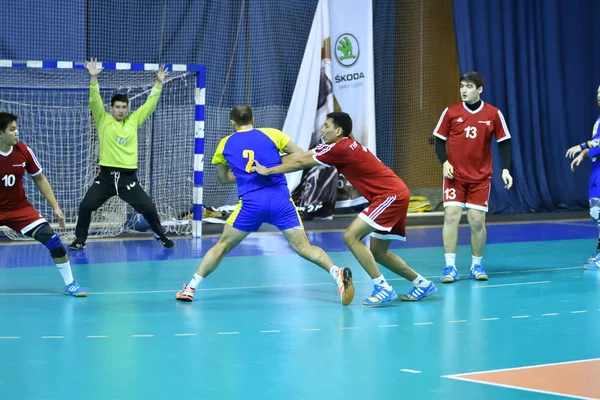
336,75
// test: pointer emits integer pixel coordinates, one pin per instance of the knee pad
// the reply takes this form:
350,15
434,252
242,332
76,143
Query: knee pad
46,236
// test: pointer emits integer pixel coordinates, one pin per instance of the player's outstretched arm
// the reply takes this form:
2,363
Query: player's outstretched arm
588,144
44,187
224,174
575,163
146,109
96,104
290,164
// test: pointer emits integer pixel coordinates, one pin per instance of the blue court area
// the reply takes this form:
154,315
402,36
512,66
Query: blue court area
268,325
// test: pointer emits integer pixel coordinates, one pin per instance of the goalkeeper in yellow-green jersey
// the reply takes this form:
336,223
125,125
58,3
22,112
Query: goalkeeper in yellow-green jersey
118,137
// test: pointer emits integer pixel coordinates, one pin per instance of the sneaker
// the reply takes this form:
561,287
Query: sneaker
73,289
418,293
478,273
343,280
380,295
593,262
187,294
450,274
76,246
165,241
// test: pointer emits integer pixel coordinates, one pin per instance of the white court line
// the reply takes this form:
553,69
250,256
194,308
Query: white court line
142,336
457,321
549,314
185,334
423,323
228,333
53,337
388,326
578,312
574,224
511,284
272,331
520,316
410,371
10,337
97,337
490,319
310,330
273,286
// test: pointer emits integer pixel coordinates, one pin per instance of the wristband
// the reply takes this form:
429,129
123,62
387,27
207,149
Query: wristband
584,145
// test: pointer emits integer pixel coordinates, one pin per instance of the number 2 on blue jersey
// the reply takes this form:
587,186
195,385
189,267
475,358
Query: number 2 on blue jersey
249,154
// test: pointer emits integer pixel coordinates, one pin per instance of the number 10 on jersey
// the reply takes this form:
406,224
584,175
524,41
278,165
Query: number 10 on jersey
249,154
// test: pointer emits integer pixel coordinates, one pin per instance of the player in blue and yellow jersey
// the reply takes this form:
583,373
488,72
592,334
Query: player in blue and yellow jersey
591,148
262,199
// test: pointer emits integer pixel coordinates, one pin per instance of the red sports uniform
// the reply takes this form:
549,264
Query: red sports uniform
469,135
388,194
15,210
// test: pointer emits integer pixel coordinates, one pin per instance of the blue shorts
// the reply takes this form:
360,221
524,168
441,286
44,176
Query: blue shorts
272,205
594,186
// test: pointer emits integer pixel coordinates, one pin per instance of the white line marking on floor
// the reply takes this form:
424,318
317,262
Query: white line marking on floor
273,331
520,316
228,333
387,326
142,335
275,286
411,371
490,319
349,327
458,321
310,330
97,337
185,334
10,337
550,314
578,312
53,337
423,323
511,284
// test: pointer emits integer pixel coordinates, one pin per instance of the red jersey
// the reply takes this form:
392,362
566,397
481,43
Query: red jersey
469,135
13,165
361,168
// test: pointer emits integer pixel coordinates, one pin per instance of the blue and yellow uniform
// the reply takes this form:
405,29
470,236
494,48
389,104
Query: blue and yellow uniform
262,198
594,187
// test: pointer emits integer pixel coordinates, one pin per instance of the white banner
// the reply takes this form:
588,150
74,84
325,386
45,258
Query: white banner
351,23
336,75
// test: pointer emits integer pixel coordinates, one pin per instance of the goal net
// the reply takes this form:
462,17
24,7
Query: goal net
52,105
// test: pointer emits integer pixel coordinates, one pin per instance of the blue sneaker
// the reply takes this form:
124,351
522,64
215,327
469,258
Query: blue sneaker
380,295
418,293
450,274
478,273
73,289
593,262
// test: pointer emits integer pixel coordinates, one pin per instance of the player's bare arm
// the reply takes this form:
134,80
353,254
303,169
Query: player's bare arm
291,150
224,174
575,163
588,144
45,189
290,164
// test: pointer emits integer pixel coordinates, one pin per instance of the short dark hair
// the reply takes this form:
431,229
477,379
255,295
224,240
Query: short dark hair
119,97
6,119
474,77
341,120
241,115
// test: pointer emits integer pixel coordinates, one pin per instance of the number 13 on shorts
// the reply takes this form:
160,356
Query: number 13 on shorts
249,154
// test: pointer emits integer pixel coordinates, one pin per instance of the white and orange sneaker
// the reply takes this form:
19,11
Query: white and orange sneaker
343,279
187,294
